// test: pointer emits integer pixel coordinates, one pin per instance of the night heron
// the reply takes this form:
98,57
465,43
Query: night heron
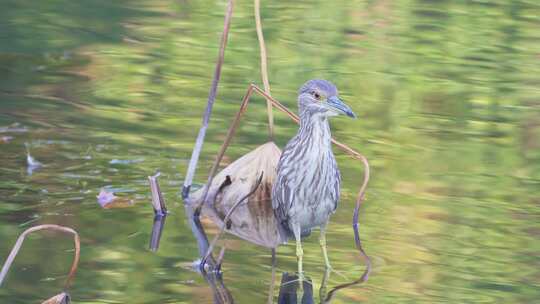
306,191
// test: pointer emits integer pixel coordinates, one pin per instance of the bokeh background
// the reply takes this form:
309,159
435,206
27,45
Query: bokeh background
104,93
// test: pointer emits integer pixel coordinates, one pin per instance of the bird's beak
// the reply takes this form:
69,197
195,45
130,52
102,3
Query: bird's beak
340,107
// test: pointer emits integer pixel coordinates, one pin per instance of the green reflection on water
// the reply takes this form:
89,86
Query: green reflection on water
448,99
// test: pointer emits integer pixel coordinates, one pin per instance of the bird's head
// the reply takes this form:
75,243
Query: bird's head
320,97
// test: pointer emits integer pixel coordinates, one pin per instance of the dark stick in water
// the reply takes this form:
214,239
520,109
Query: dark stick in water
160,212
214,279
157,230
157,197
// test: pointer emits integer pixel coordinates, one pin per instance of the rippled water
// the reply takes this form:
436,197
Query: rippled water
104,93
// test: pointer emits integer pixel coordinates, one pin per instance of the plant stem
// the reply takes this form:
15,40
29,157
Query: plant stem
20,241
264,67
210,103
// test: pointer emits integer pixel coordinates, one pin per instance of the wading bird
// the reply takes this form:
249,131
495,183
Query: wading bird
306,191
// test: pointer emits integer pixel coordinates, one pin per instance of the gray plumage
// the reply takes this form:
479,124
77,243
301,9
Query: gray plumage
306,191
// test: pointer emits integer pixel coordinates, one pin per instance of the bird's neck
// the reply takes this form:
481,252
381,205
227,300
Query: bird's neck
315,129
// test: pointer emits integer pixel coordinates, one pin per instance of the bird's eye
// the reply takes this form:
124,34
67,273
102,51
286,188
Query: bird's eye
316,95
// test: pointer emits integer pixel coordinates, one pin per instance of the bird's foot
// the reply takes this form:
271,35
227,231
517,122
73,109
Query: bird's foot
329,269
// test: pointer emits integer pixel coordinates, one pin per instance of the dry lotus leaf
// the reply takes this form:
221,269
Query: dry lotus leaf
62,298
254,219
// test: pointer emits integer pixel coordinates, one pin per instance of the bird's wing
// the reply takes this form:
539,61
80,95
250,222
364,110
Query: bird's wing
281,193
336,191
281,203
282,197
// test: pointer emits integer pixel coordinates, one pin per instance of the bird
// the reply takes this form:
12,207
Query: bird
307,185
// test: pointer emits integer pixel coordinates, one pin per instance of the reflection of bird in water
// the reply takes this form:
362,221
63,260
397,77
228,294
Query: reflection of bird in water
306,191
289,288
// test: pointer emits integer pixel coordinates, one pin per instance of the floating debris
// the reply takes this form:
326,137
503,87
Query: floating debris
160,212
157,197
32,163
105,197
13,128
126,161
108,200
62,298
5,139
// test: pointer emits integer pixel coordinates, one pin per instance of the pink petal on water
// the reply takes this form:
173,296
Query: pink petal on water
105,197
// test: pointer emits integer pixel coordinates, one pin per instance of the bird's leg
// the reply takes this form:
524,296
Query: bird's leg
324,284
322,242
299,251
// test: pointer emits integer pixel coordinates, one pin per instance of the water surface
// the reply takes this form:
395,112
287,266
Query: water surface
104,93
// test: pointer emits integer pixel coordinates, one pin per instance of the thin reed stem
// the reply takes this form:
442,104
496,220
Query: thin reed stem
264,67
210,103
